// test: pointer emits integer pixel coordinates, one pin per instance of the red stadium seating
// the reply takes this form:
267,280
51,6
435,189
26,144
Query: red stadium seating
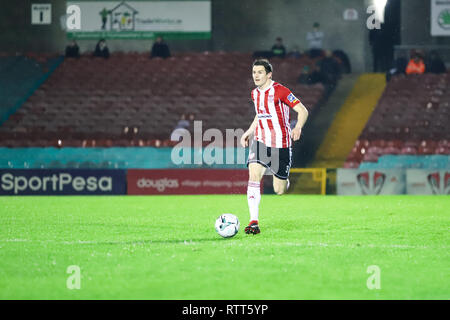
412,117
88,102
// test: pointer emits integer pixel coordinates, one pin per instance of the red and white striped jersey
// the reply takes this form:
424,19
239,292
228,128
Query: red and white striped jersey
272,108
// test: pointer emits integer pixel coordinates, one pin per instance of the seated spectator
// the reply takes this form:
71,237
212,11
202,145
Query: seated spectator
315,41
416,65
72,50
434,63
399,67
329,70
160,49
309,75
295,53
183,123
101,50
345,61
278,49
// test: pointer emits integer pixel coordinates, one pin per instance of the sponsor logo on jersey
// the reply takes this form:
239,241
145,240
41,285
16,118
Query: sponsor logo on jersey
292,98
264,116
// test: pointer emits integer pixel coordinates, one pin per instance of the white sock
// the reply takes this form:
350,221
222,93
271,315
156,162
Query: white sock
253,198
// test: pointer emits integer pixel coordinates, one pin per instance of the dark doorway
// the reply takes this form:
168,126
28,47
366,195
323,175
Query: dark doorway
383,40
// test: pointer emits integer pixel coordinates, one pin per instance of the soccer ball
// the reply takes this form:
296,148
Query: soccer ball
227,225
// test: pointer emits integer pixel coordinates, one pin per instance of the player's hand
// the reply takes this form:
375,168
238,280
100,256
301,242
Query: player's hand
296,133
244,140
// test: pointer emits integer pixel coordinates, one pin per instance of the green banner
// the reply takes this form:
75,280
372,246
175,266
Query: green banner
135,35
139,20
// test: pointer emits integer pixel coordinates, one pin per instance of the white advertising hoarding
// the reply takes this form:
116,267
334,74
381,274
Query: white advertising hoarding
440,17
142,19
370,182
428,181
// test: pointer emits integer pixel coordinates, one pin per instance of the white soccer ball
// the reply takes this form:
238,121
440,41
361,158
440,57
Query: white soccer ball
227,225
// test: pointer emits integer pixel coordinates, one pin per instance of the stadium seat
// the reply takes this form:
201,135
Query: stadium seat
411,116
82,108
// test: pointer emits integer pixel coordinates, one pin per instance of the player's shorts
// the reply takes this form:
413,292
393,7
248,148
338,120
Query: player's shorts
277,160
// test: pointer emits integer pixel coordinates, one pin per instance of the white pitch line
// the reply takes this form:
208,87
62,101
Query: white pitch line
193,242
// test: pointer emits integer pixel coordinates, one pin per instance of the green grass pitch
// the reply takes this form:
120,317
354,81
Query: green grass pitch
165,247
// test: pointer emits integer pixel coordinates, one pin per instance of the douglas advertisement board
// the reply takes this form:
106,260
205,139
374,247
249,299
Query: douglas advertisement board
187,181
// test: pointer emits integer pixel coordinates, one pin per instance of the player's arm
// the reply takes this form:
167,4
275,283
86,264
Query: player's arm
249,132
302,117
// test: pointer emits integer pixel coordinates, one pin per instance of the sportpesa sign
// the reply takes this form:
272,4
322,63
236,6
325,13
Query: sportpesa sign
62,182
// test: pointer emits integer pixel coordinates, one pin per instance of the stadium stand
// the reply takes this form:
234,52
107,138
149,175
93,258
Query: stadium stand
20,75
411,118
91,102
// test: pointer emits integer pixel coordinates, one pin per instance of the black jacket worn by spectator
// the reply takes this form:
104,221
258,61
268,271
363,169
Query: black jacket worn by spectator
435,64
329,70
278,51
72,51
101,50
160,49
341,55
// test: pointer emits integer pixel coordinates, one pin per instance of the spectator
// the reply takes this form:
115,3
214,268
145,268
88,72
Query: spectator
295,53
315,41
72,50
160,49
101,50
329,70
278,49
399,67
345,61
183,123
416,65
435,64
309,75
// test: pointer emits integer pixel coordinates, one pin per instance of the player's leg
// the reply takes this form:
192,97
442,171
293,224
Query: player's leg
280,186
257,163
281,173
256,172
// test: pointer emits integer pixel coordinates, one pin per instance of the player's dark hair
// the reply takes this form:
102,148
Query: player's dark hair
265,63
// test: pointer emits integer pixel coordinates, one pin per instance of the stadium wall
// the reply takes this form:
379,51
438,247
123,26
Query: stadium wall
236,26
413,33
